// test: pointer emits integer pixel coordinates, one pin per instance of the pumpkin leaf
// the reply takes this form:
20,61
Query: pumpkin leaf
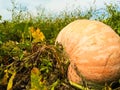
10,83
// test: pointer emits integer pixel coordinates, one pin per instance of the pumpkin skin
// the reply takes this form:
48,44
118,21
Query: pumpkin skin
93,48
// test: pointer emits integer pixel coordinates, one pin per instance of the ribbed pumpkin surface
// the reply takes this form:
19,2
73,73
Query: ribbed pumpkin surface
93,48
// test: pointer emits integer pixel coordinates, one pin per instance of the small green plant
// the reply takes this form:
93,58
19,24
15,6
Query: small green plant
113,17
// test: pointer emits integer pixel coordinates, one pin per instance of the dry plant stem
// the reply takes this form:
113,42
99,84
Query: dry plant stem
84,82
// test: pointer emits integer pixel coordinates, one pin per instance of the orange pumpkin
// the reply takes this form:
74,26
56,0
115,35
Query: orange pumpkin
93,48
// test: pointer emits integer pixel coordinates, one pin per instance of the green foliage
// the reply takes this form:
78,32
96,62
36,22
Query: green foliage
10,48
0,17
113,19
43,68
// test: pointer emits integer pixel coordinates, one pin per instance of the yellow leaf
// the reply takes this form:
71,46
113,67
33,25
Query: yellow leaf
37,35
35,71
10,83
4,80
42,37
38,30
31,29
